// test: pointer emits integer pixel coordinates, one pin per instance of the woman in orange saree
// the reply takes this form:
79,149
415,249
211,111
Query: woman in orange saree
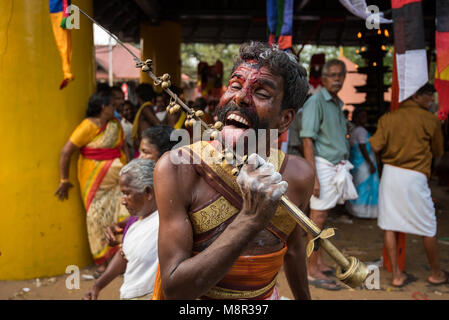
100,139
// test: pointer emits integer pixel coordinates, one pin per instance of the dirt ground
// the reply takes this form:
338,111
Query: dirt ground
360,238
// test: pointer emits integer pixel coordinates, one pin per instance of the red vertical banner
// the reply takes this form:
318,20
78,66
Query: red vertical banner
442,53
394,104
400,253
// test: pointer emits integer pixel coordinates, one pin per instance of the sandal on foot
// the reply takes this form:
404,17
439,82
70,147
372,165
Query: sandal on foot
410,278
332,272
446,274
97,274
326,284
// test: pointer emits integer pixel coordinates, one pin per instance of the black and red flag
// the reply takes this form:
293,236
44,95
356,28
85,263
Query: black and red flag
411,59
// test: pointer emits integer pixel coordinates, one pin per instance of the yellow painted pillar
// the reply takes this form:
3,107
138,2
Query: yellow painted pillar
162,44
40,236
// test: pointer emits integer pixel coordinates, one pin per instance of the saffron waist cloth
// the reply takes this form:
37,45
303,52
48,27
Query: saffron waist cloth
250,277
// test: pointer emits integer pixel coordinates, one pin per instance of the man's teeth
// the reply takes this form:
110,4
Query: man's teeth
238,118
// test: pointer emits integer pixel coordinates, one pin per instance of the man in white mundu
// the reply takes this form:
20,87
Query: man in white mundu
407,139
326,148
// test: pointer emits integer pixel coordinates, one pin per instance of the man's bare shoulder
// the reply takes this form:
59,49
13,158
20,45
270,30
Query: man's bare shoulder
298,171
171,166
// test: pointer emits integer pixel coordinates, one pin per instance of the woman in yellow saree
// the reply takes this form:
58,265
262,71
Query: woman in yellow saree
100,139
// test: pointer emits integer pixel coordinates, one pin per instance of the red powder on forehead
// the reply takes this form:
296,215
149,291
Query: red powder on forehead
248,74
251,77
252,61
252,80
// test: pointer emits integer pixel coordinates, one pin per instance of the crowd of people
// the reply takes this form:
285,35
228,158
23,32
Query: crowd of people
347,170
118,137
183,231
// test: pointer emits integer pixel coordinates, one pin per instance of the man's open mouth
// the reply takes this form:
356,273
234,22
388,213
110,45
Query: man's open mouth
237,120
234,127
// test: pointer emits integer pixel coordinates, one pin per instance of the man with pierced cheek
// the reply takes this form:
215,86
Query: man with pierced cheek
227,237
238,111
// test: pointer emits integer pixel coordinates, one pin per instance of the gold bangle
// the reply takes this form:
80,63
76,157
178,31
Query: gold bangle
64,180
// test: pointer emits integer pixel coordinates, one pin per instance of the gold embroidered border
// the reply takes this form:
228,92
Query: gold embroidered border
212,216
223,293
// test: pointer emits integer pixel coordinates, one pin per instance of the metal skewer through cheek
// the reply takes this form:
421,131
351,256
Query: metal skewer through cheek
350,270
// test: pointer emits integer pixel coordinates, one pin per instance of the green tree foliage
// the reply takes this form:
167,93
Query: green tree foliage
309,50
193,53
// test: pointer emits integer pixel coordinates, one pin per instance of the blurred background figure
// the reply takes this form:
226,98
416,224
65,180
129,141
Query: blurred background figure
201,104
145,116
326,148
155,142
137,258
117,100
211,107
128,113
160,106
99,138
407,140
365,175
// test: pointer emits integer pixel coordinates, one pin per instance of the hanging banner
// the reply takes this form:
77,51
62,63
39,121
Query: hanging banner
442,52
361,10
411,58
280,23
58,16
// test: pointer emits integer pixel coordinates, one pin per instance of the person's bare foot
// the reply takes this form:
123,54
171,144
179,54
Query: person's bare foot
439,278
403,279
398,281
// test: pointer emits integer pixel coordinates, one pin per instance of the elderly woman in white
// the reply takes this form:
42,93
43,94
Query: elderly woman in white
137,258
